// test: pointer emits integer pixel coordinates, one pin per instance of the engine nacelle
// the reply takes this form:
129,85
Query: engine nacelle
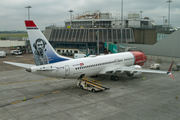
129,74
137,67
134,73
137,73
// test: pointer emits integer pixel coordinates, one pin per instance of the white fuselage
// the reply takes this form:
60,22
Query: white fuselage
89,66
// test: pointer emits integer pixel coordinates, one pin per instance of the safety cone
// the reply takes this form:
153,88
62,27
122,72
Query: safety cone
176,95
143,78
24,98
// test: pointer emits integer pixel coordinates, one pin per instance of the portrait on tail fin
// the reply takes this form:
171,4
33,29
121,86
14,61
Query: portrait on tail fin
39,55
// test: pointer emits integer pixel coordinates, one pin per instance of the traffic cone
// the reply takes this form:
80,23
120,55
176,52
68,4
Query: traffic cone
176,95
143,78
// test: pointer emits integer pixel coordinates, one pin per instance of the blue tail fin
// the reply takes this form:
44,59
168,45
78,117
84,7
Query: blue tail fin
42,50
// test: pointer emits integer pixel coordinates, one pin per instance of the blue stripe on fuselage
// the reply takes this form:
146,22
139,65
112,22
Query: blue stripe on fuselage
53,58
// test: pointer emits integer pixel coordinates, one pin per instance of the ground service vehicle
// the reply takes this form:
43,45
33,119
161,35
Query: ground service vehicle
91,85
16,52
2,54
76,56
155,66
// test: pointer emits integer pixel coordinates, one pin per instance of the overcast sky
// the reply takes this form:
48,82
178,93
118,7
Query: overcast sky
48,12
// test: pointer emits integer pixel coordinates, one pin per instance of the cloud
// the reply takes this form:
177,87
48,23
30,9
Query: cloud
47,12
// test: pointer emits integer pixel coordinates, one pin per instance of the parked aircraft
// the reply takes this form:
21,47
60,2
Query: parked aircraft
49,63
174,29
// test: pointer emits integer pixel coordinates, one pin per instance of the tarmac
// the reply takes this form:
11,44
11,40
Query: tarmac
26,96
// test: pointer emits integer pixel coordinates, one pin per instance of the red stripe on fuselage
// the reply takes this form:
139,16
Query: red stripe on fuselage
30,23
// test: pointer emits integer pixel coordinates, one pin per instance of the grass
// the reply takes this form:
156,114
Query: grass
13,35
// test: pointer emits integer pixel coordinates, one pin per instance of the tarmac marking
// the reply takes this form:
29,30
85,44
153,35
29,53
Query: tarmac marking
25,99
27,81
56,91
27,59
16,102
19,56
38,96
71,87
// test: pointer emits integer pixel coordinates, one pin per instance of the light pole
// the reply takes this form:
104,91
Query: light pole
169,1
70,16
121,25
141,13
28,11
97,38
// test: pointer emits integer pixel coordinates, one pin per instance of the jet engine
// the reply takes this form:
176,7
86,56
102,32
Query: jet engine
134,73
129,74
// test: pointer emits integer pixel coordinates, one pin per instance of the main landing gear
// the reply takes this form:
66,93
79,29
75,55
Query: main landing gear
114,77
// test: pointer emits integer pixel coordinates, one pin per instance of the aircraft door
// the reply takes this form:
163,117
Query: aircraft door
67,70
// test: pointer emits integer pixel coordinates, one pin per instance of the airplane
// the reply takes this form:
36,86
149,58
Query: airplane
49,63
174,29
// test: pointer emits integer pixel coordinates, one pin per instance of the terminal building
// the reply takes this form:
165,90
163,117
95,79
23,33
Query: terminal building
80,31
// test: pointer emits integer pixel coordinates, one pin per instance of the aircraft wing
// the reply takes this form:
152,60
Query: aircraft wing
20,64
135,69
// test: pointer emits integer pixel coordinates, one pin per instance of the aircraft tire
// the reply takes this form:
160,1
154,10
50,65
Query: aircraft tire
116,78
81,87
93,90
158,68
112,77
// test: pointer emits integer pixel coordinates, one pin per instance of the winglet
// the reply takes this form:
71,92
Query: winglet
169,71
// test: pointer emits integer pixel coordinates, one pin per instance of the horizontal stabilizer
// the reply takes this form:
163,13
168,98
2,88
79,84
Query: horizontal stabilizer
20,64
